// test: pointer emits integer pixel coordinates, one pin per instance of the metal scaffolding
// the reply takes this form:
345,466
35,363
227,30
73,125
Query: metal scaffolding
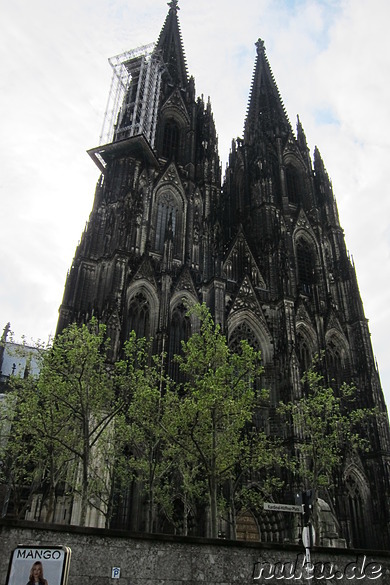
134,95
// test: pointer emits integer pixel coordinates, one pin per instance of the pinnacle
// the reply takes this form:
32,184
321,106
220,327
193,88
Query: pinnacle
260,46
173,5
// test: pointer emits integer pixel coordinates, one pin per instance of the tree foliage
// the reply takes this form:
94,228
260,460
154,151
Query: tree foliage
210,415
88,428
144,434
23,446
61,423
328,425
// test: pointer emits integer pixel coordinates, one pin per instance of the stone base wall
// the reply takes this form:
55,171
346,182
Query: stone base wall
146,559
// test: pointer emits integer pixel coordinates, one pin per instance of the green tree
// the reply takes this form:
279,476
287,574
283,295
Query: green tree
25,452
18,454
327,425
256,477
80,397
208,415
145,438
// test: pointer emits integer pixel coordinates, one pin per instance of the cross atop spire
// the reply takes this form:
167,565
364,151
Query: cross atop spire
173,5
260,46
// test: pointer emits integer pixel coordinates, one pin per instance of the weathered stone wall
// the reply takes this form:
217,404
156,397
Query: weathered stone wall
165,560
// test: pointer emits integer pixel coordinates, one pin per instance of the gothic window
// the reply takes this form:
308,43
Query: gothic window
293,181
243,331
336,363
139,316
170,139
229,270
357,514
180,330
304,353
166,220
306,266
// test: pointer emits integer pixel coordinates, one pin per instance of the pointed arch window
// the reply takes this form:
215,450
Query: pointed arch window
338,370
166,220
306,266
139,316
180,330
171,135
244,331
293,181
357,514
304,353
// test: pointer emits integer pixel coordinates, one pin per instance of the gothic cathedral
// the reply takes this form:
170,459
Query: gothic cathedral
264,250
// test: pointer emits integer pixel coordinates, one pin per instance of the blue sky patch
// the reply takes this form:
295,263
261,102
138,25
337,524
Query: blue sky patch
325,116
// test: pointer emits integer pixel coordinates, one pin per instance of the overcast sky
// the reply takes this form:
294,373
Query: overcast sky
330,59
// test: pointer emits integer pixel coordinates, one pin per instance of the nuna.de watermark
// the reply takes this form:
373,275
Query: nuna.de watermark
301,569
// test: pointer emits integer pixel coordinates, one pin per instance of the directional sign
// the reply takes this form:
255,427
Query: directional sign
271,506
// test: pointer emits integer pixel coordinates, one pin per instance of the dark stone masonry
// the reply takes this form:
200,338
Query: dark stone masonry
146,559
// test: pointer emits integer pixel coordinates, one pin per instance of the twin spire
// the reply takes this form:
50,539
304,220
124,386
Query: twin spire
265,113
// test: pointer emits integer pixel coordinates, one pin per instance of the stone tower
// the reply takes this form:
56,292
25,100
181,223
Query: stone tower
265,251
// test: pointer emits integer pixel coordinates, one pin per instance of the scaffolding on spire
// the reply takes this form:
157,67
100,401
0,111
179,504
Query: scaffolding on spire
134,95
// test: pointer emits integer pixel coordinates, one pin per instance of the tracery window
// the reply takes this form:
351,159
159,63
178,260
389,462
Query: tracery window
180,330
167,213
304,353
336,363
306,266
293,181
243,331
357,514
170,139
139,316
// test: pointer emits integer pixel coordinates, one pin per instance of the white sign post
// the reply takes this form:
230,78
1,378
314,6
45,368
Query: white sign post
272,507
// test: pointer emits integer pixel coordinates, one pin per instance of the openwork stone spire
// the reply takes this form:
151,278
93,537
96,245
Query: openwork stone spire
171,46
266,111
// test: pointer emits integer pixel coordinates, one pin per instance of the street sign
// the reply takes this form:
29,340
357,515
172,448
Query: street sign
115,573
271,506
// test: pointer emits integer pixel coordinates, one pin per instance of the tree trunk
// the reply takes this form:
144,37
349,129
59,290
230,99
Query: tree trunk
85,479
233,515
49,516
185,515
213,506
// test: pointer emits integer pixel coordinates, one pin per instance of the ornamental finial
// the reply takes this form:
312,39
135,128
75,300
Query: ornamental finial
173,4
260,46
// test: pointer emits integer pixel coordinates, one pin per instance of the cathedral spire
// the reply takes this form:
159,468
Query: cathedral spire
266,111
171,46
301,136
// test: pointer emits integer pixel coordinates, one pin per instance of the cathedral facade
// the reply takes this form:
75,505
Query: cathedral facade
264,250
